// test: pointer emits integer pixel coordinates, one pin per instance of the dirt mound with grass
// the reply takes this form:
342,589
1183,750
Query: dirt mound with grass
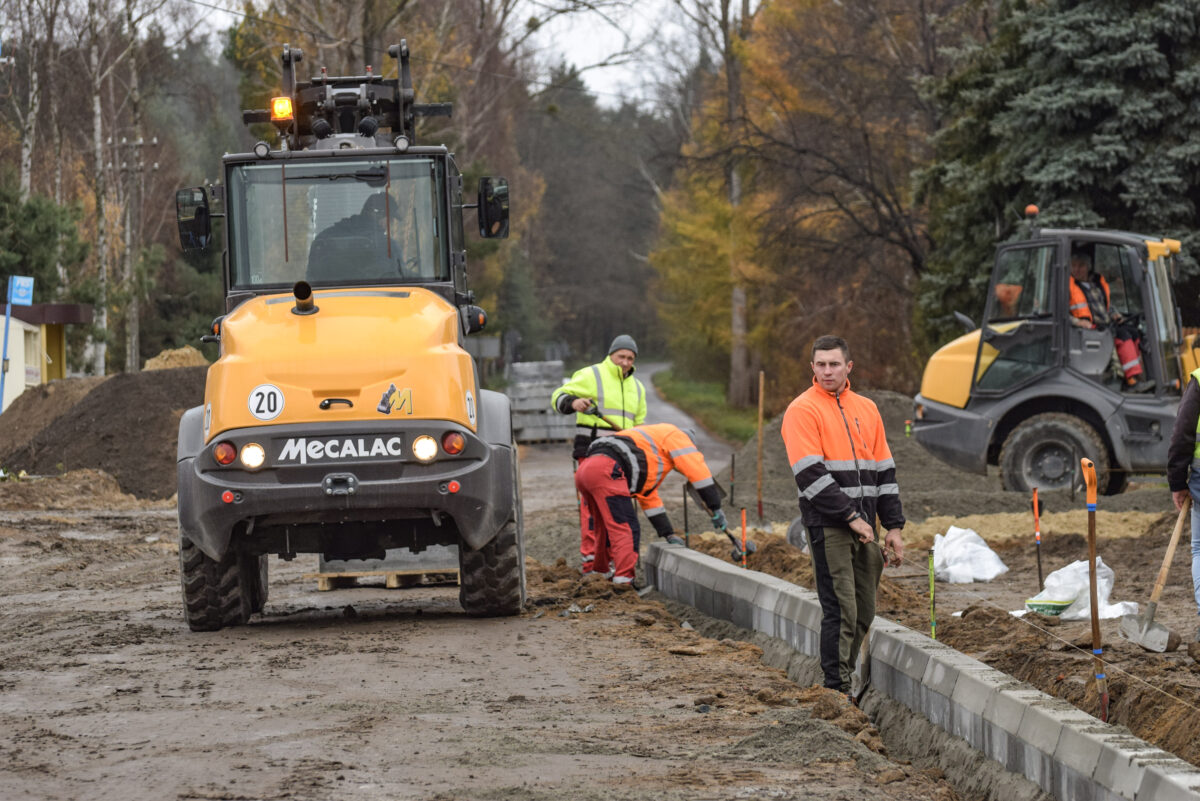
126,425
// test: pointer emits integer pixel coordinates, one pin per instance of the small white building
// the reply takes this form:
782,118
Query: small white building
37,344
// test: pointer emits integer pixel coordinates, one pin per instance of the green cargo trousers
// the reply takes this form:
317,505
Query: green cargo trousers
847,574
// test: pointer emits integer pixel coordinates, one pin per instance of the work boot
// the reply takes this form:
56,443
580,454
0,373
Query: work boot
1141,386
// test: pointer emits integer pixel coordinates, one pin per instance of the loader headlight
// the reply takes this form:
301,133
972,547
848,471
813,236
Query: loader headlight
425,448
253,455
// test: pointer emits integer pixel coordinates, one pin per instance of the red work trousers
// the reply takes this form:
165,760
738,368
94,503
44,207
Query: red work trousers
614,527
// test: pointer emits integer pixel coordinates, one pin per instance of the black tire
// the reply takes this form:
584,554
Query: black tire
258,578
492,578
217,594
1044,452
1118,482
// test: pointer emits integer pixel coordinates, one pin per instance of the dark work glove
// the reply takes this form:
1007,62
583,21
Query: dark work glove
719,520
674,539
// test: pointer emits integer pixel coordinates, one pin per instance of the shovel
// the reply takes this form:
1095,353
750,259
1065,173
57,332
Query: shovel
1141,629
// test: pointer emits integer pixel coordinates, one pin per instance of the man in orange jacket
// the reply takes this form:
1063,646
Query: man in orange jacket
632,464
1090,305
846,477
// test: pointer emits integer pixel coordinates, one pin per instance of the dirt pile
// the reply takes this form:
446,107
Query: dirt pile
126,425
187,356
38,407
79,489
928,486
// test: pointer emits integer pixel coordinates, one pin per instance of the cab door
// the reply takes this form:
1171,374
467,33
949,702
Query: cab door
1019,340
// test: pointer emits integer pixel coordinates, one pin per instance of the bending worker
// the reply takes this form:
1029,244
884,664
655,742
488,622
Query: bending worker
632,464
605,398
846,476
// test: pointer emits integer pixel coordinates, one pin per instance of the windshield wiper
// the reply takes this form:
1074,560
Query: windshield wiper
368,176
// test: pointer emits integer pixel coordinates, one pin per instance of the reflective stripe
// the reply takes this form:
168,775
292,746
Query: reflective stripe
675,454
1075,306
866,491
599,387
704,482
657,458
889,489
806,462
630,456
639,389
886,464
841,464
1132,363
821,483
657,510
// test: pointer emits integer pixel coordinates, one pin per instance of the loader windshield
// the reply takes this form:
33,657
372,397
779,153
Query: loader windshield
336,223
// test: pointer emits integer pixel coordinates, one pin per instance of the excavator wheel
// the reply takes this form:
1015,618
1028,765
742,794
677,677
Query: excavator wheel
1044,452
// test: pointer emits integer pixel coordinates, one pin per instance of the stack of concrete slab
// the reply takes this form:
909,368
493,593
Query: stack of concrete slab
529,388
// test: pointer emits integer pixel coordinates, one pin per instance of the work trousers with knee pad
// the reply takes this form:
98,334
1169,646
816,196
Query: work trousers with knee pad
604,491
847,574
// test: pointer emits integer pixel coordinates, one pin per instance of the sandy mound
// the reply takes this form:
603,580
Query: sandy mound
187,356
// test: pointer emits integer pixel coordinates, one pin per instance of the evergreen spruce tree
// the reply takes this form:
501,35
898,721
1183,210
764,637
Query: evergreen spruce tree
1087,109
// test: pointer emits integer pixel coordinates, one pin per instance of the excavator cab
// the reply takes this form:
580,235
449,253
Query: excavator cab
1046,378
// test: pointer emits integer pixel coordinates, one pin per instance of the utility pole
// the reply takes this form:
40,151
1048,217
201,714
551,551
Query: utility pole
133,172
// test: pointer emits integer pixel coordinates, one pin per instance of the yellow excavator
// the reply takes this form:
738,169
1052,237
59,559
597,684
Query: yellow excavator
1032,391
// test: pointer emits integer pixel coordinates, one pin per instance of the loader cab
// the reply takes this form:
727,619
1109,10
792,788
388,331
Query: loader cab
1031,326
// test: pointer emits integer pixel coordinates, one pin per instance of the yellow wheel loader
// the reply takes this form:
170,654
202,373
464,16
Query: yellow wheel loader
344,416
1037,387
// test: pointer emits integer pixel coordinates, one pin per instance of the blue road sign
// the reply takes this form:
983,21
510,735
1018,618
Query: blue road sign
20,290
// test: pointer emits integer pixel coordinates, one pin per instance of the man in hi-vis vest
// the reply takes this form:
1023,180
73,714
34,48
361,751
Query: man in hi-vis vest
604,398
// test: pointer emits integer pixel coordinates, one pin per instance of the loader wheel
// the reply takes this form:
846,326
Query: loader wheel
256,566
493,577
1044,452
218,594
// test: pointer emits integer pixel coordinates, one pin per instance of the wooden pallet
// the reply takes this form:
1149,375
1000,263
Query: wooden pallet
393,579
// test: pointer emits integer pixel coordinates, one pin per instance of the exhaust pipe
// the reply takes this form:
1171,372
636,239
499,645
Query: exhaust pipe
304,299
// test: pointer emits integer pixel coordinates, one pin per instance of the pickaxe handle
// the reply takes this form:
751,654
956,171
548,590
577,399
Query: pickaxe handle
594,410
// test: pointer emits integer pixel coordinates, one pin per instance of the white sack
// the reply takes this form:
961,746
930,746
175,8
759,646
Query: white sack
962,556
1071,582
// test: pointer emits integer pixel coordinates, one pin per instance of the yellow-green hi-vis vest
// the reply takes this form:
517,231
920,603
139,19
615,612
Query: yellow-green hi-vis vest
1196,446
619,398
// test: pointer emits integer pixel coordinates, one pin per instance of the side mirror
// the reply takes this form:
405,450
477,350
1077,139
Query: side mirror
965,321
493,208
474,319
192,214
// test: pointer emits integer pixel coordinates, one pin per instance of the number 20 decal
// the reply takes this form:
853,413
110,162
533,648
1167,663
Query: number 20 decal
265,402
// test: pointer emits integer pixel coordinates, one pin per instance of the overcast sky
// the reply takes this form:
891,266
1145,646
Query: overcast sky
581,40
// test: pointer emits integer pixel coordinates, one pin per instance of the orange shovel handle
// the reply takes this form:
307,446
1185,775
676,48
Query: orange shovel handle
1089,476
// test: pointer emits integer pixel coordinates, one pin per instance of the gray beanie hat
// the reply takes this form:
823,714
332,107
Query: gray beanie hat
623,341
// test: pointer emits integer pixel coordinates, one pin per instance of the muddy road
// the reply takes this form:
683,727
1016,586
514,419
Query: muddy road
374,693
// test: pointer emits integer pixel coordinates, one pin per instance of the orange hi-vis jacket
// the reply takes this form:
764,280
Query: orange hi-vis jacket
648,453
1078,302
841,460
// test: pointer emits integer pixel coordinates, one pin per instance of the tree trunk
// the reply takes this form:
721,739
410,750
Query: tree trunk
133,206
100,344
29,129
740,390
